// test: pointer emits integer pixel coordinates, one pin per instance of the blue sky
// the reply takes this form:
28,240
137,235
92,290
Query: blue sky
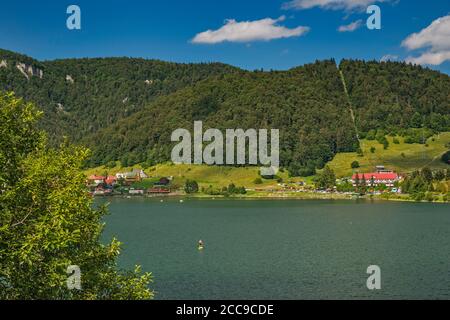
165,30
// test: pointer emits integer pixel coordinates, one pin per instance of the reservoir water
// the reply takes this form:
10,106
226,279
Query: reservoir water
285,249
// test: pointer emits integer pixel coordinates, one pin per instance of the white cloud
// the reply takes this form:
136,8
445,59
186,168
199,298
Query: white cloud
435,39
351,27
331,4
389,57
431,58
247,31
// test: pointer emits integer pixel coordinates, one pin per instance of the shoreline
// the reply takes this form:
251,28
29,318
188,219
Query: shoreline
271,196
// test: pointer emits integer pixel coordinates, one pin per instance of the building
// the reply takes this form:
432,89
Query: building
128,177
131,177
156,190
163,182
135,175
377,178
111,180
136,191
141,173
96,180
120,176
99,191
382,169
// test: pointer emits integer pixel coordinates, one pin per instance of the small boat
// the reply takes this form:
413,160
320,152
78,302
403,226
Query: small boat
200,245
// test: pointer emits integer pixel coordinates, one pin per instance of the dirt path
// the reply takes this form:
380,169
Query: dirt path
350,107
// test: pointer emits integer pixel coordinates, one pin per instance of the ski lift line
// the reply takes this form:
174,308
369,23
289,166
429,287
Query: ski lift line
350,107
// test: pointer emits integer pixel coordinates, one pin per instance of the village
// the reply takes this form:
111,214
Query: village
128,183
138,183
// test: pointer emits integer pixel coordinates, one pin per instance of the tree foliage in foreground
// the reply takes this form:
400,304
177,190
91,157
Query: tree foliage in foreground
47,219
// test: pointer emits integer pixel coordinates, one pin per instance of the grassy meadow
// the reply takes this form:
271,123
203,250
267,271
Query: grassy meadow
217,176
400,157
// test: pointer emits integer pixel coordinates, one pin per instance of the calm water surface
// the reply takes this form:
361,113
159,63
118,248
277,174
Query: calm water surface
268,249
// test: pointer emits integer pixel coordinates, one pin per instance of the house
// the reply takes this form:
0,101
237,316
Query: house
136,191
131,177
128,177
382,169
100,191
163,182
110,180
96,180
120,176
135,175
379,178
156,190
141,173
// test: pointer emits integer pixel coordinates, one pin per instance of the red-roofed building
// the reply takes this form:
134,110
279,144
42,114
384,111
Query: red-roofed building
110,180
96,180
378,178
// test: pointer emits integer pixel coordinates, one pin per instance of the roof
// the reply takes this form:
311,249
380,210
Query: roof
131,175
162,182
110,179
95,177
377,176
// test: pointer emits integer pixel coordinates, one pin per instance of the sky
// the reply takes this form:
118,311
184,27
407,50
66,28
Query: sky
251,34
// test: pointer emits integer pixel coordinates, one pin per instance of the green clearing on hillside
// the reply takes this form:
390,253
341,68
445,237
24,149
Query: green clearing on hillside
217,176
415,156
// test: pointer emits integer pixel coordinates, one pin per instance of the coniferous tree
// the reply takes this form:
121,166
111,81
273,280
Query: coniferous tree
357,182
363,188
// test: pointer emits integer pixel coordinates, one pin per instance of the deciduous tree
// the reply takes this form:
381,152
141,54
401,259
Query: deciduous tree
48,221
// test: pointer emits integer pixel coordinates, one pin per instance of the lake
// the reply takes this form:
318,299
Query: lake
285,249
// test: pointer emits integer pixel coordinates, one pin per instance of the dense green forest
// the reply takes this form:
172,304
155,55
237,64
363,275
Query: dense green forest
397,97
81,96
126,109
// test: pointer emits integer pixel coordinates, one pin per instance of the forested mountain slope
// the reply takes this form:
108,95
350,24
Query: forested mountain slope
306,104
80,96
394,96
126,109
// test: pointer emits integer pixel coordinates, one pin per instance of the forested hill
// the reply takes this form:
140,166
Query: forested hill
397,95
126,109
80,96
